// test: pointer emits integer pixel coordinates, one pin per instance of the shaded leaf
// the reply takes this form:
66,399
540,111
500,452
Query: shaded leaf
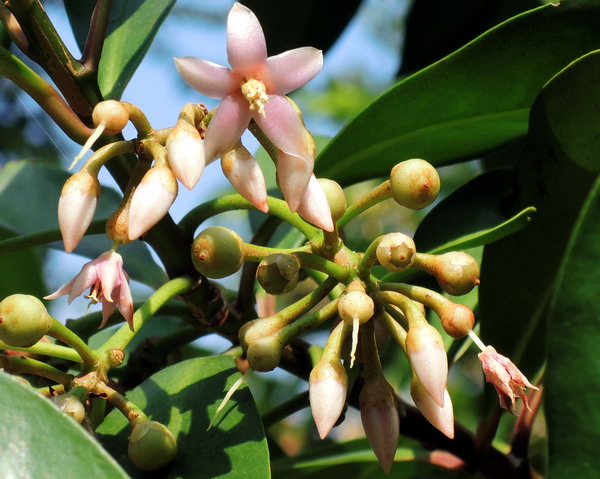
22,271
38,440
184,397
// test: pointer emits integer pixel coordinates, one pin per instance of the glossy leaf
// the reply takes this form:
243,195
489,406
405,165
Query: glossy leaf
572,382
22,271
185,397
37,211
470,102
38,440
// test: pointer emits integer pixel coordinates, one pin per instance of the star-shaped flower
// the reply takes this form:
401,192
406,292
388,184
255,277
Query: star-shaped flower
254,88
108,283
506,378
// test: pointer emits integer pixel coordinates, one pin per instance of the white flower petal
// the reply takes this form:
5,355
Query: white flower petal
292,69
246,46
207,77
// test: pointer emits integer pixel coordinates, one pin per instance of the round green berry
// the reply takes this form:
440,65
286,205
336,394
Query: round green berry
217,252
396,252
414,183
458,273
264,354
24,320
151,446
71,405
335,197
278,273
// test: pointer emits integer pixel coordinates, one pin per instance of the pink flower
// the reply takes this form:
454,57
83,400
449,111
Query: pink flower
506,378
108,284
254,88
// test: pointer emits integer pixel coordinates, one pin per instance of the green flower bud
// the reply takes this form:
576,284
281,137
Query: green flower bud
415,183
335,197
24,320
458,273
112,114
264,354
71,405
151,446
356,304
258,328
217,252
396,252
278,273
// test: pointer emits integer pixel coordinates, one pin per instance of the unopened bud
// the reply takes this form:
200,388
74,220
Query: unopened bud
327,387
457,319
76,207
278,273
24,320
185,153
112,114
458,273
335,197
264,354
415,183
427,356
71,405
258,328
217,252
151,200
314,207
396,252
442,418
356,304
380,419
151,446
244,173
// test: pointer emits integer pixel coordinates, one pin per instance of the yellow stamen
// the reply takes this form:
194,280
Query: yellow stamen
256,93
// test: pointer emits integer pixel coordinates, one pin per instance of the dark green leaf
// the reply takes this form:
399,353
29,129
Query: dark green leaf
80,13
21,271
468,103
37,440
185,397
572,382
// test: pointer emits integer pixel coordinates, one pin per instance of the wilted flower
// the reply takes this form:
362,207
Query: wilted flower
108,283
254,88
506,378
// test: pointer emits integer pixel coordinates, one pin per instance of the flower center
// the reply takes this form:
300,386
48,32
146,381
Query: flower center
96,293
256,93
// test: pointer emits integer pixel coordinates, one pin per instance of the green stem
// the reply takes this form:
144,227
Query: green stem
167,291
65,335
97,411
369,258
333,347
277,208
96,35
133,413
370,355
407,305
47,349
376,195
285,409
427,297
139,120
302,306
105,153
256,253
393,326
23,365
307,322
312,261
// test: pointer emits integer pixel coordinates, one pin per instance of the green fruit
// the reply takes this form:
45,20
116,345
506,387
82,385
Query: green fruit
414,183
396,252
458,273
151,446
264,354
70,404
217,252
24,320
278,273
335,197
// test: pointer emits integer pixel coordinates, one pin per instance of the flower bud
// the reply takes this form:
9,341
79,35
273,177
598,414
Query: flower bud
278,273
112,114
151,200
217,252
335,197
414,183
427,356
314,207
457,273
76,207
294,171
24,320
396,252
258,328
356,304
185,153
380,419
327,387
244,173
151,446
264,354
442,418
457,319
71,405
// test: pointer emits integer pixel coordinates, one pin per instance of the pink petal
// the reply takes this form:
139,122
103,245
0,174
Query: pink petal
226,126
109,273
207,77
293,178
244,173
246,46
314,206
126,302
107,310
185,151
86,277
292,69
64,289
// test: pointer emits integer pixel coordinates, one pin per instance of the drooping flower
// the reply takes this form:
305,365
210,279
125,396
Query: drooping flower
254,88
506,378
108,283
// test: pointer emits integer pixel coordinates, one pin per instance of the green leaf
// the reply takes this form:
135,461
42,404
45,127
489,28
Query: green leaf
472,216
22,271
37,440
572,382
184,397
470,102
29,194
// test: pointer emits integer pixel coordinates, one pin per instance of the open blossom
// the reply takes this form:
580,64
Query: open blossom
254,88
108,283
506,378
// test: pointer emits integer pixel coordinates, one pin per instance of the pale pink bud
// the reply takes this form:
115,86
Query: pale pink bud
76,207
151,200
442,418
185,151
315,207
380,419
244,173
427,356
327,387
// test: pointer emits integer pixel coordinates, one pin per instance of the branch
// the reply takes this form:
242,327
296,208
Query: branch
96,35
